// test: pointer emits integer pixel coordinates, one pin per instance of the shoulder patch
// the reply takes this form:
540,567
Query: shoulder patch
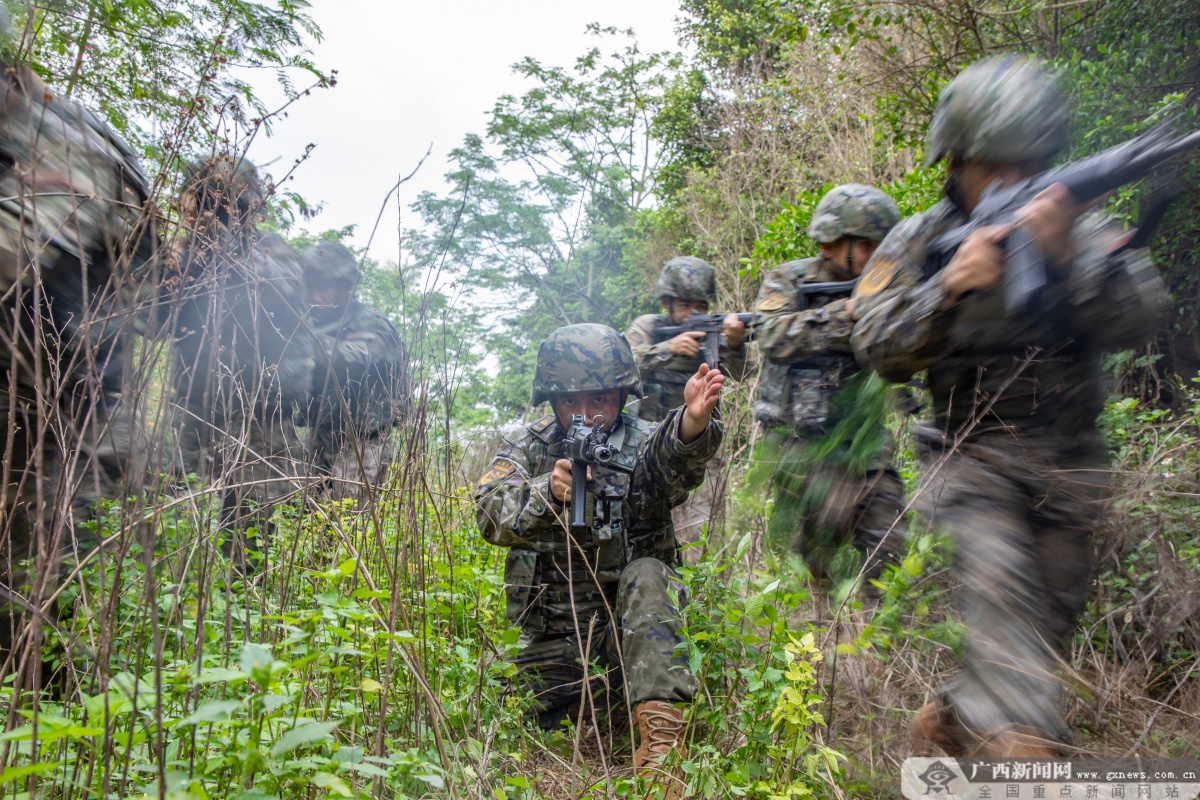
774,300
545,429
500,469
878,275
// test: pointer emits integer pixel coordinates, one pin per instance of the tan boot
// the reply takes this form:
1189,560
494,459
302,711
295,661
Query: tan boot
936,728
1018,741
660,733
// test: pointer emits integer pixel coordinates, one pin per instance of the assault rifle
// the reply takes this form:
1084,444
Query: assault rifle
588,446
711,326
1086,180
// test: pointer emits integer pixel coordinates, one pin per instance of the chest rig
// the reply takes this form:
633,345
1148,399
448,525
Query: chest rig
573,567
798,395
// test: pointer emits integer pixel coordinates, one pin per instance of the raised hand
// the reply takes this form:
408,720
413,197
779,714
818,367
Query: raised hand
700,397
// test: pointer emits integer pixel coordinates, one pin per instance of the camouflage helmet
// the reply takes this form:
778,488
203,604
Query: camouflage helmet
331,261
853,210
1001,110
584,358
687,278
226,186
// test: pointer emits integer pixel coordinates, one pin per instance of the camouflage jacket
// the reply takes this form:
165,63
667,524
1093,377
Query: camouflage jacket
992,375
242,344
664,375
361,361
806,351
544,571
74,229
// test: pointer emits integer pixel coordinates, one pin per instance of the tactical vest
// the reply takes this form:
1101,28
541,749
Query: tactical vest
797,395
558,579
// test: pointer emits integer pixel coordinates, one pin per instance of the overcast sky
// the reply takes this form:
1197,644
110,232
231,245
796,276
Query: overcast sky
415,73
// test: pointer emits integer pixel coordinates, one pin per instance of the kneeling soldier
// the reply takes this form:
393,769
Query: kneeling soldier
605,591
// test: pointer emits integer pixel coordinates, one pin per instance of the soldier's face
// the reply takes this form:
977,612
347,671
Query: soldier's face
605,404
678,311
849,255
329,295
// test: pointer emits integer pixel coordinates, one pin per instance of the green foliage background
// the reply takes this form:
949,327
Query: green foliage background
370,660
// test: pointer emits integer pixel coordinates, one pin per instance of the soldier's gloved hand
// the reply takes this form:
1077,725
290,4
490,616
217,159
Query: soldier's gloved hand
700,397
735,331
978,264
686,344
1049,219
560,479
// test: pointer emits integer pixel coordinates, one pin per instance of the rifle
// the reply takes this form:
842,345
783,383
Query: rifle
711,325
588,446
1086,180
811,295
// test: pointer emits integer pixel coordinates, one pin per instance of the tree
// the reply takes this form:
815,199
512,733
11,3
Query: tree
540,218
173,74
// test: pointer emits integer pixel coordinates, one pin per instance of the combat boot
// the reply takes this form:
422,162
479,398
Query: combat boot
935,727
660,732
1018,741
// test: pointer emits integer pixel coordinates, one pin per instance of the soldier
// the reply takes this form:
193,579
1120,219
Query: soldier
72,233
244,355
1016,465
561,586
357,381
806,346
686,286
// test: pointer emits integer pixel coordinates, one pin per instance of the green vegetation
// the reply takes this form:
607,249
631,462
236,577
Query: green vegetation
368,659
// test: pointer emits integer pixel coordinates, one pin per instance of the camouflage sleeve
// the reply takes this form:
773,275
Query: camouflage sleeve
1116,298
786,333
899,326
675,468
373,341
511,506
649,356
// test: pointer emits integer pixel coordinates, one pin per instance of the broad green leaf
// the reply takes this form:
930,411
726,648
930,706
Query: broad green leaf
333,783
215,711
303,734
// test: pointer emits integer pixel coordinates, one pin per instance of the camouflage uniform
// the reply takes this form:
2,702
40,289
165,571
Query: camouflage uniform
357,382
665,375
244,355
72,232
1017,469
807,360
574,596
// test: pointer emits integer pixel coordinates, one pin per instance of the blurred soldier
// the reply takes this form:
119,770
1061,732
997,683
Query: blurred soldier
357,381
72,230
1017,468
562,586
805,342
243,352
686,286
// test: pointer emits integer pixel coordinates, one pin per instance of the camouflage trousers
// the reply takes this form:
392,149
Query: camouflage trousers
639,652
254,464
1021,518
48,494
859,510
352,465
